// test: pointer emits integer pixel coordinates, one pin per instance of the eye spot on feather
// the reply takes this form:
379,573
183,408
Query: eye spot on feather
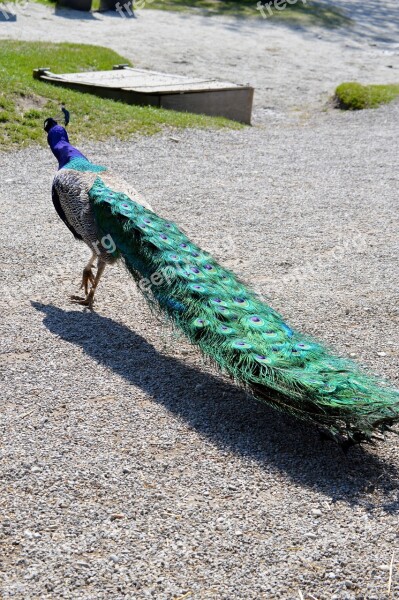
222,308
241,345
200,323
261,358
242,302
225,330
125,209
302,346
256,321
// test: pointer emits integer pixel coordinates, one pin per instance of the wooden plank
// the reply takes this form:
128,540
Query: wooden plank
233,104
139,86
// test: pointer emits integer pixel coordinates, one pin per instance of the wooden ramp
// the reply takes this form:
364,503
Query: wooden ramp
138,86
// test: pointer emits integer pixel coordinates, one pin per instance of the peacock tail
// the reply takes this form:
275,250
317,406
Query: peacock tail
232,326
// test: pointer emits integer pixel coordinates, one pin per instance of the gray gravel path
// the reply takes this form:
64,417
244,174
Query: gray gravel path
132,470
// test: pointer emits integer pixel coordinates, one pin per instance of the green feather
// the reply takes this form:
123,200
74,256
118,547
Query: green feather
240,333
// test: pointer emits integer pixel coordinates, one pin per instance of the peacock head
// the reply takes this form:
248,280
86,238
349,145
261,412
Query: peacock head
50,122
57,138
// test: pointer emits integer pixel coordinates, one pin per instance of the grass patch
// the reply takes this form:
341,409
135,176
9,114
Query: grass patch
355,96
25,102
310,13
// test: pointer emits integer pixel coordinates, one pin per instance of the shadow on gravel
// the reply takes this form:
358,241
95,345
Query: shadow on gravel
226,415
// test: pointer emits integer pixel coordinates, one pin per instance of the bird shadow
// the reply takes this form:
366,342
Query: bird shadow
225,414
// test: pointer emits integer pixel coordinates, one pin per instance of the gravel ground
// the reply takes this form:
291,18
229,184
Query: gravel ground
132,470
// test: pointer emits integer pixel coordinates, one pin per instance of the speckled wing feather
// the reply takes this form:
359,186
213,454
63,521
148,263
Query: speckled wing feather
70,194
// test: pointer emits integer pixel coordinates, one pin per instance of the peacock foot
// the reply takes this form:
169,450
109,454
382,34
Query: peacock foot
88,301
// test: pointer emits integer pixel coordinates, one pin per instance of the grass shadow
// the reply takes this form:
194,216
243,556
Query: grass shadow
7,16
301,14
70,13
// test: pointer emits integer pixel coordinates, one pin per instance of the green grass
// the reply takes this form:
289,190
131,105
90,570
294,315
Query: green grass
310,13
25,102
355,96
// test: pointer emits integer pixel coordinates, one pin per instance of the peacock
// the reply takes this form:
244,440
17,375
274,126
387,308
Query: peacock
225,319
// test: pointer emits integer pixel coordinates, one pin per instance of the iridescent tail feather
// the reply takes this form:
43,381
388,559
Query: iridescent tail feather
241,334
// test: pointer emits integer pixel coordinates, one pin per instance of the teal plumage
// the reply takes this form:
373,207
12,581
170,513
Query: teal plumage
227,321
240,333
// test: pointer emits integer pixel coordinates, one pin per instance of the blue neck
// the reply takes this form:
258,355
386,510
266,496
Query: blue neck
61,148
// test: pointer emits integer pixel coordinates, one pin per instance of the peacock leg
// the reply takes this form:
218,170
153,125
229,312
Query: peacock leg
89,300
88,276
100,270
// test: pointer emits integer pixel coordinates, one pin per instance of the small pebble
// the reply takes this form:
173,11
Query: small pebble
116,516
